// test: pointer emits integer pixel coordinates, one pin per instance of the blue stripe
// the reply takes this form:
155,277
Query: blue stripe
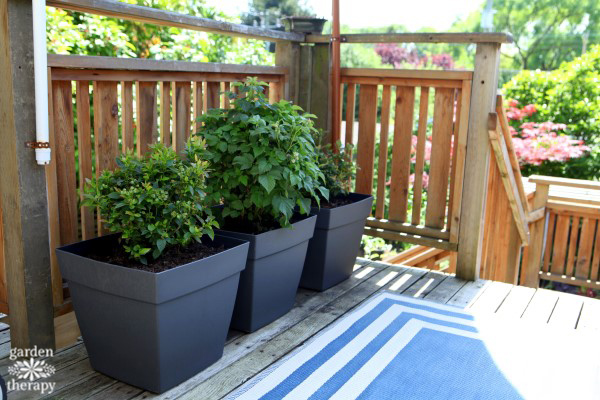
305,370
348,370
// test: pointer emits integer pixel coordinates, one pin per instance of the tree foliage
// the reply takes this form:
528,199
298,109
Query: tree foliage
569,95
70,32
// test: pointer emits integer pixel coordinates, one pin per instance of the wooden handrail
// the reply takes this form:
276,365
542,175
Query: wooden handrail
502,149
117,9
441,37
576,183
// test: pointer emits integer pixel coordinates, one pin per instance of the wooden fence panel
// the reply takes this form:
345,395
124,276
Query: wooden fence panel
440,158
366,139
127,125
403,126
181,114
420,156
383,150
84,144
64,142
147,128
350,107
165,113
213,100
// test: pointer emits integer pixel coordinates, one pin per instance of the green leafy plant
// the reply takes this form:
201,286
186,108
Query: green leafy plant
338,168
155,202
263,158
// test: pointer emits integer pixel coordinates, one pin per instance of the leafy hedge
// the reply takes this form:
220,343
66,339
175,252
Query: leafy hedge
569,95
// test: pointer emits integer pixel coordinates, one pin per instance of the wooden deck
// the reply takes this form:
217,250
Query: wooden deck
247,354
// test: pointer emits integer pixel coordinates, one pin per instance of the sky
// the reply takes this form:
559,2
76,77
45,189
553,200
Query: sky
437,14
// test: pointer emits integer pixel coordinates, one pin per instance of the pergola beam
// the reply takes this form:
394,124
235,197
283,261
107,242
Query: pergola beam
448,37
116,9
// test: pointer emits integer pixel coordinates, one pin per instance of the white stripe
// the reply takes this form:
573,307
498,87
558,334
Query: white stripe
309,351
343,356
372,368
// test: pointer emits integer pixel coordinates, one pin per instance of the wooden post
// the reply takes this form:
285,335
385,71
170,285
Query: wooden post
483,101
23,186
531,274
287,54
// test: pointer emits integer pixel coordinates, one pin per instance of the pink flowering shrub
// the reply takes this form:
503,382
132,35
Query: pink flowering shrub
540,143
401,57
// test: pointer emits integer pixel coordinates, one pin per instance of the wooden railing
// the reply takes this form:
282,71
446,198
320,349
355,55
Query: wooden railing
571,235
120,105
410,89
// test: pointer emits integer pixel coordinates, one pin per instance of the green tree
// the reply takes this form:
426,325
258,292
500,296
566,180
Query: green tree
548,32
71,32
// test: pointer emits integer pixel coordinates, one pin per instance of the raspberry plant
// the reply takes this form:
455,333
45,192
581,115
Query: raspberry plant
262,158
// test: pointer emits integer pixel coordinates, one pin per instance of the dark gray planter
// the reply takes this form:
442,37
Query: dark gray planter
153,330
304,24
335,245
269,283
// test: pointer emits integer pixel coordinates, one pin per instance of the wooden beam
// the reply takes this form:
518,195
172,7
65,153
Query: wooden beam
287,56
409,238
408,73
441,37
483,101
144,64
155,16
537,214
23,186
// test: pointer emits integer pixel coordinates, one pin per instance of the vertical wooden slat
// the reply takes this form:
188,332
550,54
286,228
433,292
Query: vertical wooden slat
560,244
106,130
435,214
595,266
350,106
383,151
275,92
584,255
181,114
455,127
549,241
198,103
458,163
212,94
64,137
491,197
570,267
403,126
165,113
3,288
420,156
366,139
52,193
146,115
84,144
531,265
127,116
227,88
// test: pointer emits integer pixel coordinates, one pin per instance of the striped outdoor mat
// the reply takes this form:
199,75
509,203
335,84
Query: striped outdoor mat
397,347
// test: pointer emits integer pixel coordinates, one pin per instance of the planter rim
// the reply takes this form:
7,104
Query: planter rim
256,235
149,273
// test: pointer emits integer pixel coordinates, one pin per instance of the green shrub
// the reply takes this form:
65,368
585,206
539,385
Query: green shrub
569,95
263,158
155,202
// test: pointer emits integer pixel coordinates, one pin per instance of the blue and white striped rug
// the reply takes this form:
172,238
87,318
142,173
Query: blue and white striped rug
397,347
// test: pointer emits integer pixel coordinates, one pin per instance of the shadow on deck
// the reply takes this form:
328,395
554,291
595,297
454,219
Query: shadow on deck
246,355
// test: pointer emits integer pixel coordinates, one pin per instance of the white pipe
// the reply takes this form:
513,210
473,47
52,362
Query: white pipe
40,65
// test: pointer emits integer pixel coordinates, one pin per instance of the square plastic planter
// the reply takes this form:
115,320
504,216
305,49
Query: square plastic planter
335,244
269,283
153,330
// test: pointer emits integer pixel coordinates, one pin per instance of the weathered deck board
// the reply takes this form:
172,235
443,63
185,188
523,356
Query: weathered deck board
245,355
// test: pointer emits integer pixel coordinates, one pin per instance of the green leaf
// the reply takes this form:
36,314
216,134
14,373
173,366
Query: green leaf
267,181
161,243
